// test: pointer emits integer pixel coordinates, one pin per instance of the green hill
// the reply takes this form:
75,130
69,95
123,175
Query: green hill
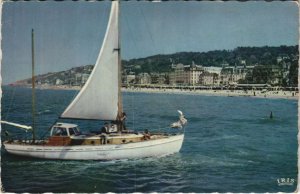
251,55
266,59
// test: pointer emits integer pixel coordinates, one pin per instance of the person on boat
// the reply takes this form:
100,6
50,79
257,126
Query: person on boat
103,139
58,132
112,127
121,123
182,120
146,134
105,128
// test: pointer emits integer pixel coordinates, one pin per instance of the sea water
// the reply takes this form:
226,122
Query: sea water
230,145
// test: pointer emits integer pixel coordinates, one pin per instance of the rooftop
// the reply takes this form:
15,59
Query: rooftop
66,125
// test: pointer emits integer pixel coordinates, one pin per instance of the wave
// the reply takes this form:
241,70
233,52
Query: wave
45,112
224,137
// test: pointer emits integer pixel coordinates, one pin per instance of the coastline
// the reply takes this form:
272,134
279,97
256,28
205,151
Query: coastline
229,93
280,94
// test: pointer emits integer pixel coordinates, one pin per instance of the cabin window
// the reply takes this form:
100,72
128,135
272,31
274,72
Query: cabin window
73,131
56,131
64,132
59,131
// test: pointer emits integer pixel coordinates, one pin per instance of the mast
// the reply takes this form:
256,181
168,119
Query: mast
120,105
33,86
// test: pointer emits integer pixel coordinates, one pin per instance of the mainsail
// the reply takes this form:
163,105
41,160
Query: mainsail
99,98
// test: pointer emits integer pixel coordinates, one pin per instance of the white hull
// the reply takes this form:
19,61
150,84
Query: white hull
159,147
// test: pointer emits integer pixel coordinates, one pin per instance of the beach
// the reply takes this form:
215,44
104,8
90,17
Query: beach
282,94
230,93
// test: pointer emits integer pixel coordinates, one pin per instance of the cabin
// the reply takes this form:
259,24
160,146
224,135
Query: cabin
63,134
60,134
64,129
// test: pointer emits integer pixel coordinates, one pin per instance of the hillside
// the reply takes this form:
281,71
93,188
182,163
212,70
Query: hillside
267,57
65,77
251,55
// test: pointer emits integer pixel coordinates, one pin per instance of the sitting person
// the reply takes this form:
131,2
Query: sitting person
146,135
105,128
112,127
103,139
58,133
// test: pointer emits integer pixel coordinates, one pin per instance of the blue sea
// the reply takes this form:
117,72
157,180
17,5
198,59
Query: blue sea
230,145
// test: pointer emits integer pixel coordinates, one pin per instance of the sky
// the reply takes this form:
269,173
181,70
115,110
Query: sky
70,34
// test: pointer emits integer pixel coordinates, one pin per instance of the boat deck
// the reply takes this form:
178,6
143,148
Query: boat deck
101,139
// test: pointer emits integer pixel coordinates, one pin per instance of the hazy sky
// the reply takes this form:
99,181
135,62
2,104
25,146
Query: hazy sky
69,34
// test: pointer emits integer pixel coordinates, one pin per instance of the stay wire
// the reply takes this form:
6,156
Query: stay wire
154,45
10,103
136,47
148,29
49,128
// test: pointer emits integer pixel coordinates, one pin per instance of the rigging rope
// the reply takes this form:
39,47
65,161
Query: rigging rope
47,131
136,47
148,30
10,103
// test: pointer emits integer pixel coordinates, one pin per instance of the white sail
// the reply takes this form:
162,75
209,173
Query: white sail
99,97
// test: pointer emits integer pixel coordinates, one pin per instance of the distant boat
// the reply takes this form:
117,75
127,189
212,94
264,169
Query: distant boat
99,99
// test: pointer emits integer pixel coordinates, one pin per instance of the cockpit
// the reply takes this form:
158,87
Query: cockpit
64,129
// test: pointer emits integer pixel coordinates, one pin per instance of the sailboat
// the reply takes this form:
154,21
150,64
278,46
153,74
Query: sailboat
99,99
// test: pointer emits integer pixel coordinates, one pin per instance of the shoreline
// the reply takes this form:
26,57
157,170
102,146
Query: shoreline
229,93
280,94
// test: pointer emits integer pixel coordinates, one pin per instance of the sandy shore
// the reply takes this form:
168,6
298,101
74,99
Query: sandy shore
231,93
